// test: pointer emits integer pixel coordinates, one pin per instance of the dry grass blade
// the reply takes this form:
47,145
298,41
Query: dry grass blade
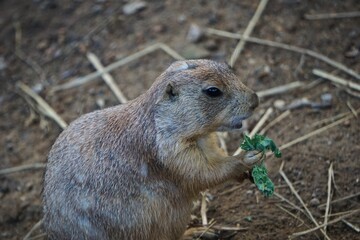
198,232
341,199
330,119
291,214
309,214
28,167
322,16
247,32
327,211
336,79
227,228
107,77
352,109
88,78
257,127
286,47
279,89
171,52
313,133
33,229
357,211
288,202
275,121
42,106
203,209
349,224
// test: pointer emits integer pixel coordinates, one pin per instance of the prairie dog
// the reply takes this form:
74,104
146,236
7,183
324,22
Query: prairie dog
132,171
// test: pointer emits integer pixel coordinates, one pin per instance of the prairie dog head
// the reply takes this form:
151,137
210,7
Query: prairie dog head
195,97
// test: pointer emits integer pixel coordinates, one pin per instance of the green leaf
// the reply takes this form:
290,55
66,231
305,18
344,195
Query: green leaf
259,173
260,143
262,181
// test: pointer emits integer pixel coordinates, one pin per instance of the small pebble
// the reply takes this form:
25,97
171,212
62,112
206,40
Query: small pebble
159,28
279,104
263,71
326,98
134,7
249,192
181,19
3,64
194,34
347,123
100,102
38,87
314,202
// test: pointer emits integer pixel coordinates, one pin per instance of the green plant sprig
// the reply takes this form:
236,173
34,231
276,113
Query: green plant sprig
259,172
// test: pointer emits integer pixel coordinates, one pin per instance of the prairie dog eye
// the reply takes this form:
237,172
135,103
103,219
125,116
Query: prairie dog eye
213,92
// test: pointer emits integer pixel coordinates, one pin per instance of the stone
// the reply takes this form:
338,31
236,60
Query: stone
134,7
194,34
314,202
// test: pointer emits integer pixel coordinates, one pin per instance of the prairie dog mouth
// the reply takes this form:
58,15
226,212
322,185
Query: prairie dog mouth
233,126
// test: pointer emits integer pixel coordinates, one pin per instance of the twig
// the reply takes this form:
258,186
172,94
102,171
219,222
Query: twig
42,105
207,229
88,78
322,225
321,16
290,213
282,173
339,213
107,77
341,199
352,93
257,127
336,79
313,133
203,209
280,89
275,121
286,47
230,190
227,228
289,202
34,166
326,218
33,229
330,119
349,224
39,236
21,55
352,109
247,32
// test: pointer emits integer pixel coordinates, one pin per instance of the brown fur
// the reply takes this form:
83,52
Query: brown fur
132,171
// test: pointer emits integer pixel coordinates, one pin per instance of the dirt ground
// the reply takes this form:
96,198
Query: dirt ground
43,43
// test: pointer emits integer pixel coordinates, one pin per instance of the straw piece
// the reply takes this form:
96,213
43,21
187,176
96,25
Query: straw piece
286,47
88,78
107,77
247,32
336,79
43,107
279,89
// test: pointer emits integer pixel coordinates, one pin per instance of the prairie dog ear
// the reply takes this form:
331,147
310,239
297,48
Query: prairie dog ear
170,93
